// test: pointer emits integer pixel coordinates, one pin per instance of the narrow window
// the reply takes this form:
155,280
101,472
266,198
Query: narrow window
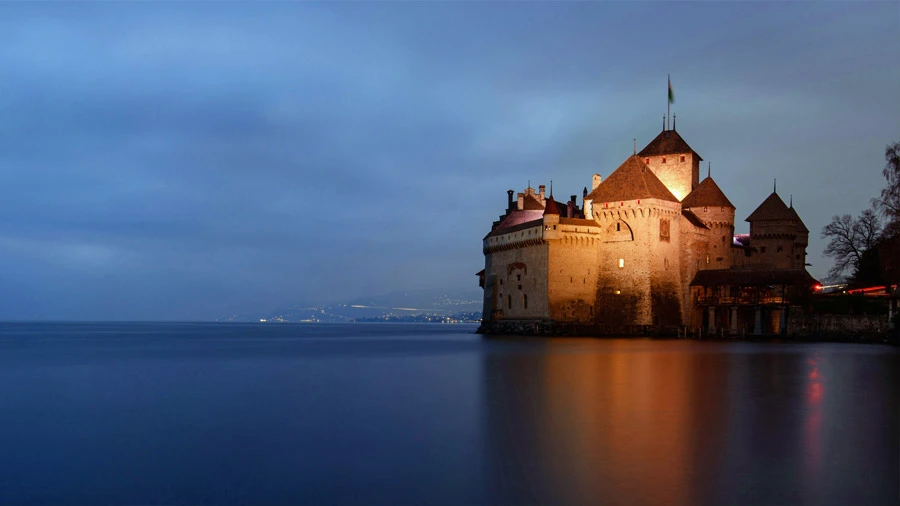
618,227
707,258
779,249
647,161
518,277
682,158
621,263
509,302
762,249
525,300
664,160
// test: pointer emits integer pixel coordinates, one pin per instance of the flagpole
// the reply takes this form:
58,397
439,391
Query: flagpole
668,101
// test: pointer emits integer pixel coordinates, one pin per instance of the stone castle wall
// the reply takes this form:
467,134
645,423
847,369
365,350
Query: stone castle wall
639,260
694,252
778,244
825,326
573,271
515,278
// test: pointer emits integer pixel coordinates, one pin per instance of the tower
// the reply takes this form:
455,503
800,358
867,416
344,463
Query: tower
709,203
674,162
778,235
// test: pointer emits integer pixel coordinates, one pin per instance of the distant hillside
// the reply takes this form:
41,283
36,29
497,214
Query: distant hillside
424,305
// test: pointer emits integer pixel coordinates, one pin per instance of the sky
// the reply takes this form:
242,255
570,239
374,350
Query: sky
184,161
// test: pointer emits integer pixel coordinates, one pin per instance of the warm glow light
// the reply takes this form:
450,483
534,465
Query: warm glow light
621,263
868,289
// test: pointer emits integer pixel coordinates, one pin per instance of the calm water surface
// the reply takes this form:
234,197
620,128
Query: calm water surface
431,414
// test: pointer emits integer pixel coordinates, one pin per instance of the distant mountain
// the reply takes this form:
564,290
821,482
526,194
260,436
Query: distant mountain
409,305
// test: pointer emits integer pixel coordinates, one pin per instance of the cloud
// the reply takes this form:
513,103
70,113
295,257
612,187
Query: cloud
176,160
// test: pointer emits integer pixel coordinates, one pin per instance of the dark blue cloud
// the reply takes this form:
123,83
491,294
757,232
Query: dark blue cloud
181,160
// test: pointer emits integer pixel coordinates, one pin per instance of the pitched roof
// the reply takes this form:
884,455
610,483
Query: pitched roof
551,207
631,181
517,220
753,277
742,240
668,142
532,203
773,208
707,193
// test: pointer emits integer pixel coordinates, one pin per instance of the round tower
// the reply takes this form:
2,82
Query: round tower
708,203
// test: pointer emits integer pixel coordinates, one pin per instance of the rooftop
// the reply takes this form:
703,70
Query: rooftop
706,194
633,180
773,208
753,277
668,142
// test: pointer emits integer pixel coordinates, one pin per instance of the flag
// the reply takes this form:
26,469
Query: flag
671,93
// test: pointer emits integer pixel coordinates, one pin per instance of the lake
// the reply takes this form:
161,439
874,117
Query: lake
181,413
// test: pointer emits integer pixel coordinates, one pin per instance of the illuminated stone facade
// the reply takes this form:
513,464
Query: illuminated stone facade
631,253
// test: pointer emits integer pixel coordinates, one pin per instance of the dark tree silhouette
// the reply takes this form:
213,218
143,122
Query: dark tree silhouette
889,201
850,238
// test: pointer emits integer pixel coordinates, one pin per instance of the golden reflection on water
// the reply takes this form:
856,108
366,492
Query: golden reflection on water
614,419
812,428
639,421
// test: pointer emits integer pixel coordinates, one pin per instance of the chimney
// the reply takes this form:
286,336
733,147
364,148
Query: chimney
570,212
509,200
521,201
596,181
541,189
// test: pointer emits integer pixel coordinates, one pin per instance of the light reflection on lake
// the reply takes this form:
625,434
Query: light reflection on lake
412,414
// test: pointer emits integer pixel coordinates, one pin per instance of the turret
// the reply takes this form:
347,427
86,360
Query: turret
778,235
708,203
674,162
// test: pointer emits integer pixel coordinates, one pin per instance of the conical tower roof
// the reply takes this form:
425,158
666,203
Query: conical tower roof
551,206
773,208
633,180
668,142
706,194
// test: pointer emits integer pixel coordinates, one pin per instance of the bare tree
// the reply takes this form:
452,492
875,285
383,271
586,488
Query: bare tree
849,238
889,201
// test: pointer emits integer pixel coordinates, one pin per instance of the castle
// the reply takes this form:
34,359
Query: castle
650,245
